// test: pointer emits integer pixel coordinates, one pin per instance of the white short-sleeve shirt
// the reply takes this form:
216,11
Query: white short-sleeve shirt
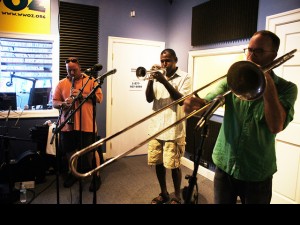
182,83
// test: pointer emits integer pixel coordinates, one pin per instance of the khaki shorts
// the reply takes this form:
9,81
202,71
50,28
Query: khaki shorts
167,152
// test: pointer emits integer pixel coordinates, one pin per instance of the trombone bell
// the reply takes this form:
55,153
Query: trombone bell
246,80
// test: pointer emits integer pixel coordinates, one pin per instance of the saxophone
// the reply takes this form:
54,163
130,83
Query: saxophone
71,119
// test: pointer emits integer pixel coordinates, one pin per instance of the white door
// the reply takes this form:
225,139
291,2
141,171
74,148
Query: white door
126,100
286,182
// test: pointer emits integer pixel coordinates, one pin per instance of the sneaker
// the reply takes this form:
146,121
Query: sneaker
97,184
70,180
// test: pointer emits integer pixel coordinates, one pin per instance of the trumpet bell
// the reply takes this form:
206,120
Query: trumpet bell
140,72
143,74
246,80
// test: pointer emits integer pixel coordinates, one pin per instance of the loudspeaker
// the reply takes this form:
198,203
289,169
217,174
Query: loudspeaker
193,139
29,166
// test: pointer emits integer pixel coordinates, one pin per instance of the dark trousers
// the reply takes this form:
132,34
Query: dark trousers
227,189
73,141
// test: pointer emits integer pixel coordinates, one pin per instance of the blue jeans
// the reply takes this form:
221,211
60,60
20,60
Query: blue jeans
227,189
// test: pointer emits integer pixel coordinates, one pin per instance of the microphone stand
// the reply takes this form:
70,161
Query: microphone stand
203,125
100,82
192,180
79,96
58,154
94,164
92,96
81,138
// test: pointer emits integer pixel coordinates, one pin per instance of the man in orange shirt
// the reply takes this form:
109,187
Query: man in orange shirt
80,131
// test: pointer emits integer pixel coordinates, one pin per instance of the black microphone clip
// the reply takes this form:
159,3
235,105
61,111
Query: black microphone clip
102,77
94,69
214,105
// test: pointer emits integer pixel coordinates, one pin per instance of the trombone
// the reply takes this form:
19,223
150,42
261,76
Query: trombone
245,79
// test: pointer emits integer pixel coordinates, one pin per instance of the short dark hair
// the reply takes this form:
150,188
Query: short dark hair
171,52
275,39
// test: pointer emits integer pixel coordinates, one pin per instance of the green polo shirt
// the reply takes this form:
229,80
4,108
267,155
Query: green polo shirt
245,148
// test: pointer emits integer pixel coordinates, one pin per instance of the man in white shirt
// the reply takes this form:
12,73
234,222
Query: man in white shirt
166,150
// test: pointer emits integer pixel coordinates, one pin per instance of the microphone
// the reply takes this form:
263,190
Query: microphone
95,68
216,103
101,78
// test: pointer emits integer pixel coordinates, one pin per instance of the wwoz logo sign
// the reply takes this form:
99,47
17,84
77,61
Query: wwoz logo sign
33,6
14,14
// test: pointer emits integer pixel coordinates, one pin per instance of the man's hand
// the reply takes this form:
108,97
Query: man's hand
193,103
67,103
159,77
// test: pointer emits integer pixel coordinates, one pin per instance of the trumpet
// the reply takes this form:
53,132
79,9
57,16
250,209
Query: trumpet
245,79
143,74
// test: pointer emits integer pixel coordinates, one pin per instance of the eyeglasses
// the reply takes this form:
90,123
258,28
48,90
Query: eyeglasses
71,60
255,51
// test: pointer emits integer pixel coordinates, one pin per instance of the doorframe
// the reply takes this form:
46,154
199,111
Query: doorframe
110,58
271,24
281,18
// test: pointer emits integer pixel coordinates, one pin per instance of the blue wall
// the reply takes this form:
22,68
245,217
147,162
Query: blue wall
158,20
180,20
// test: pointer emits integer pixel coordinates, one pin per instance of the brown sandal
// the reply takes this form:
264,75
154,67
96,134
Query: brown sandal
175,201
160,199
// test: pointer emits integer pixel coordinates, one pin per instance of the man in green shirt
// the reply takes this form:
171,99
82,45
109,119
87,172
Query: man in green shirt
244,153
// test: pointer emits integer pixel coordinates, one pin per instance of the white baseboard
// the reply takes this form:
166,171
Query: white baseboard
281,199
190,164
201,170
